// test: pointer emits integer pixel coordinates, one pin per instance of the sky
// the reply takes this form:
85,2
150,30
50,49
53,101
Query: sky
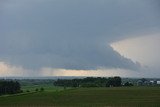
80,38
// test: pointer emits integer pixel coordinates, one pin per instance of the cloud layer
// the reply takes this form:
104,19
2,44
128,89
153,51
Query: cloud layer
73,35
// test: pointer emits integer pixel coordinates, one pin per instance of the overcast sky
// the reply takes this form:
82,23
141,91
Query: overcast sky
80,38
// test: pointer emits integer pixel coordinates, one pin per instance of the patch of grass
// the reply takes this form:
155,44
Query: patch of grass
46,87
88,97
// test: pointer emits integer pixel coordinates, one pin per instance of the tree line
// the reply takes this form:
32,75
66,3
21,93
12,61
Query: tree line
90,82
9,87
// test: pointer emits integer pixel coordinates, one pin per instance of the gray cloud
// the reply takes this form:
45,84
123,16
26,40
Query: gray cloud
72,34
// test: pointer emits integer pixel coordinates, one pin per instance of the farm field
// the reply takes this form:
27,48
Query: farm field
47,88
86,97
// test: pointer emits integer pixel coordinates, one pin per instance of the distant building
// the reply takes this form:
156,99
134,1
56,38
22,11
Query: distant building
158,82
145,82
154,82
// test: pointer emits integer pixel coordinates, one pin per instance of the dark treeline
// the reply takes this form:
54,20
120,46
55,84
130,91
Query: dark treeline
90,82
9,87
114,82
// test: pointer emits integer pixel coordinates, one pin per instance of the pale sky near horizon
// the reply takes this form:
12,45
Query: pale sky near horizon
80,38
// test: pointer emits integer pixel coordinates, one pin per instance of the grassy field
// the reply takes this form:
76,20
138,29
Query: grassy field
86,97
46,87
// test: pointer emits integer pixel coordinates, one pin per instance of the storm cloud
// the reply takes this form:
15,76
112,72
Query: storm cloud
72,34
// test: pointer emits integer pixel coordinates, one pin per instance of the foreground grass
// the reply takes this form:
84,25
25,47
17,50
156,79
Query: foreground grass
88,97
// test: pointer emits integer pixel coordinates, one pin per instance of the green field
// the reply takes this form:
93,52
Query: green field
46,87
86,97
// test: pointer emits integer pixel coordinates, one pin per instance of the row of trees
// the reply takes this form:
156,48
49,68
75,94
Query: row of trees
113,82
90,82
9,87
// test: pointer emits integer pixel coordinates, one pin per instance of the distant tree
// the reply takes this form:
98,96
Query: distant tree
89,82
36,89
21,91
113,82
117,81
110,82
9,87
27,91
41,89
128,84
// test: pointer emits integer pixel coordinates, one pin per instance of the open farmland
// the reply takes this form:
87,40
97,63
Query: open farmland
87,97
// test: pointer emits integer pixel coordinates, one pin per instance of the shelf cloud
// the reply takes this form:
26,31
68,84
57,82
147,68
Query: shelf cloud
73,35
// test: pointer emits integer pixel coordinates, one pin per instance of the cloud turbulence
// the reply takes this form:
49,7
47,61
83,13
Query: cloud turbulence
72,34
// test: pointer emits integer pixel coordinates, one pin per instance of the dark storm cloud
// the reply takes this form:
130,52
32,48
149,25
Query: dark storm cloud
71,34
